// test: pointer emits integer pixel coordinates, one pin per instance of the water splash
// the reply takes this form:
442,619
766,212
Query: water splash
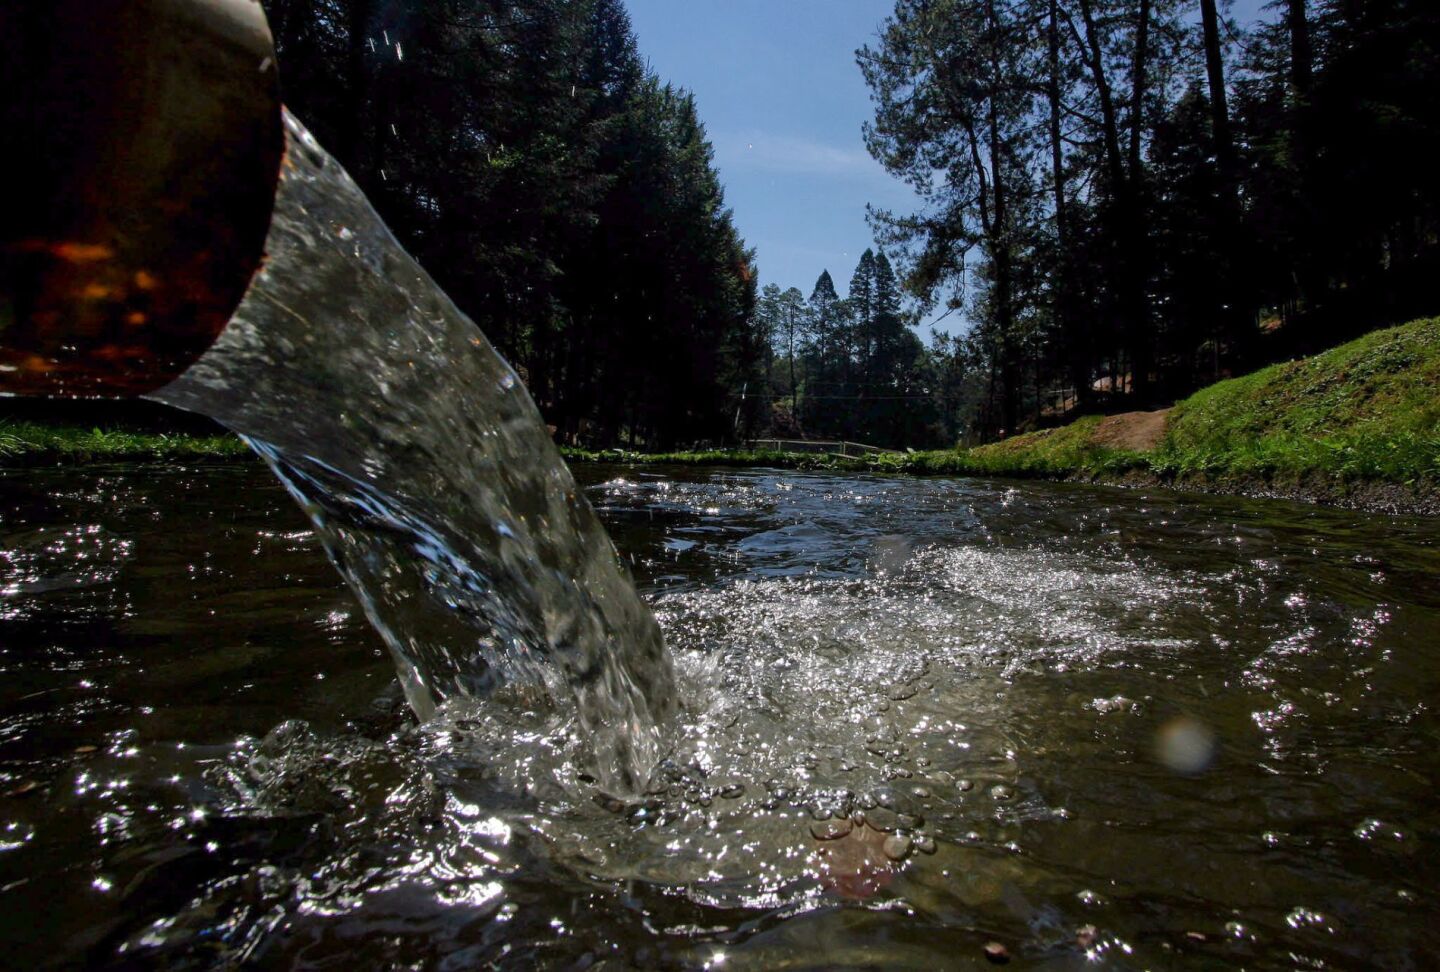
430,476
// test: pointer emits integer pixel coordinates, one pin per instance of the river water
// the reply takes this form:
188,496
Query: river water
917,717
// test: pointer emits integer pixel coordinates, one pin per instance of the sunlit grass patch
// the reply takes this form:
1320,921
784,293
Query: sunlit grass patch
21,441
1369,409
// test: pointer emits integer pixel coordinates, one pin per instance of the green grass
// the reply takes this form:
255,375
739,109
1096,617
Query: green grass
1064,451
1055,452
23,443
1367,410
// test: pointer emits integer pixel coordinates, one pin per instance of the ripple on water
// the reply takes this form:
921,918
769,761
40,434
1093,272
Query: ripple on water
932,728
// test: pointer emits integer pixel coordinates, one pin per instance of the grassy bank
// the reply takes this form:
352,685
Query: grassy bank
34,443
1056,453
1357,423
1367,411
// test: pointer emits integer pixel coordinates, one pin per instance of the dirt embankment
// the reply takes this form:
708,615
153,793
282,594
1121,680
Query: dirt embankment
1133,431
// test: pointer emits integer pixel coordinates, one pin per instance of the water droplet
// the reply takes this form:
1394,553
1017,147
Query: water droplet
897,848
831,829
1302,917
881,819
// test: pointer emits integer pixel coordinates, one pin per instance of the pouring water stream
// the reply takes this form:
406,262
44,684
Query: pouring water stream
426,468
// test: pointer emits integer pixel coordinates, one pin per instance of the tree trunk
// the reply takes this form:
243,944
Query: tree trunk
1078,343
1219,105
1109,125
1300,57
1132,218
1000,253
352,128
1126,220
1138,70
1235,289
794,388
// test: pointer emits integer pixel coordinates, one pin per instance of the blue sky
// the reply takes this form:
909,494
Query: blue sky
783,102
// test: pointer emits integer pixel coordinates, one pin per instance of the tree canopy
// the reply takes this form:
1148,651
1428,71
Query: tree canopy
1131,198
562,195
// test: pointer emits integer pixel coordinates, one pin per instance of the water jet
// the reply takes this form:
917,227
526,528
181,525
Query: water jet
189,241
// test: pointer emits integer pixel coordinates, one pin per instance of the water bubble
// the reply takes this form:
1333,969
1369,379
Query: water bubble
907,821
1372,829
881,819
897,847
832,829
1303,917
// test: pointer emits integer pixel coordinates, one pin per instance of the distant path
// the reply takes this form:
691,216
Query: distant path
1135,431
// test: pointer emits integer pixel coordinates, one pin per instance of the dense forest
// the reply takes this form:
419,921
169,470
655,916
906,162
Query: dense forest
1123,200
561,194
1131,198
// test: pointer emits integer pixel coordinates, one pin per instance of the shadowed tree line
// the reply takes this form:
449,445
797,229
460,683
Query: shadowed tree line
561,194
1131,198
852,368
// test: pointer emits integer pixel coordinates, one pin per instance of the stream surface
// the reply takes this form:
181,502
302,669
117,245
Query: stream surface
918,716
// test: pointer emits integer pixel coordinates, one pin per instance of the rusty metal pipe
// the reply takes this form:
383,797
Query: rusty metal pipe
143,140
